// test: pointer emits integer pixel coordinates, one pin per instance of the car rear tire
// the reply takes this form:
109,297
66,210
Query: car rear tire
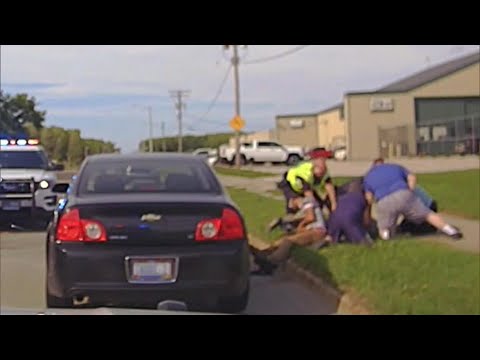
235,304
293,160
58,303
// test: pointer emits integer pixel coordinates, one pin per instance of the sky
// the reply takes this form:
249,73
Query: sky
103,89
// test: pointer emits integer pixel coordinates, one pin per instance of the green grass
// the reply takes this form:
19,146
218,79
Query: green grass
398,277
457,193
242,173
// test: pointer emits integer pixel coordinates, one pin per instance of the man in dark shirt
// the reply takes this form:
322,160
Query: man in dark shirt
352,215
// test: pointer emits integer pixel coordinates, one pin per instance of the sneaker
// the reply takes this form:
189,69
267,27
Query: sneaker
457,235
265,267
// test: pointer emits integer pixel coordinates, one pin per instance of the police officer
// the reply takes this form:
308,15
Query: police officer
309,179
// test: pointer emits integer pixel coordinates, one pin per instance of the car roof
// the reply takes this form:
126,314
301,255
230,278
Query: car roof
143,156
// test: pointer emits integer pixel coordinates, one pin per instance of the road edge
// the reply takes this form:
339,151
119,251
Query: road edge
348,302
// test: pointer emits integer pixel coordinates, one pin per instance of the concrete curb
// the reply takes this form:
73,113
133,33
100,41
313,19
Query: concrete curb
348,303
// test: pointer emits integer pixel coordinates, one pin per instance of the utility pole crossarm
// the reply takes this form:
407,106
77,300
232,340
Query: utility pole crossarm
179,96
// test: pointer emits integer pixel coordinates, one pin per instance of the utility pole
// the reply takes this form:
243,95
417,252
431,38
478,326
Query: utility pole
178,96
164,144
150,127
235,64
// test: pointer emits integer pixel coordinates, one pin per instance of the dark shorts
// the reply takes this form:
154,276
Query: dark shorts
288,193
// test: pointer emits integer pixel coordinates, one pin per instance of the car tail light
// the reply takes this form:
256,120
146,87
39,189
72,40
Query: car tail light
228,227
71,228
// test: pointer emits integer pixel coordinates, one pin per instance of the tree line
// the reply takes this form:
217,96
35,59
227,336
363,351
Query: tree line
190,142
19,115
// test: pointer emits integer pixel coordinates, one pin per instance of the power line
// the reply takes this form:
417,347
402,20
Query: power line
213,102
277,56
219,92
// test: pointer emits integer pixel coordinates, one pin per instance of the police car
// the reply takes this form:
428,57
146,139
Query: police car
26,181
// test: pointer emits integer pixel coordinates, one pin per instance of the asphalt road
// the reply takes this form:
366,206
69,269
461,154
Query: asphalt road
22,282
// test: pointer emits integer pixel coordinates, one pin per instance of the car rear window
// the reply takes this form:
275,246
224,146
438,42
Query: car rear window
147,176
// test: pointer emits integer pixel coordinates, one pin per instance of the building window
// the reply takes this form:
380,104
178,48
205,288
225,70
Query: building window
448,126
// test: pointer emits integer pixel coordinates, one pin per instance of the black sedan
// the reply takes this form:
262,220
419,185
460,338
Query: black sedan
135,230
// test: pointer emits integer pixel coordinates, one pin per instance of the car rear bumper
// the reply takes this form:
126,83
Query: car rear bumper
206,273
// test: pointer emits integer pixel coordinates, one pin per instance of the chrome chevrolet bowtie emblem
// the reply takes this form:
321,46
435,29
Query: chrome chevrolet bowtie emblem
151,218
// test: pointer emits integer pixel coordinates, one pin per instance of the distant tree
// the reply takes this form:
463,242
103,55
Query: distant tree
19,111
75,148
60,152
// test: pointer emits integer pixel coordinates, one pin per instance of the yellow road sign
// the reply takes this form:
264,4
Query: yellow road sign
237,123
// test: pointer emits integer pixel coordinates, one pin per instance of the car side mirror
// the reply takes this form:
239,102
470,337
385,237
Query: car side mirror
60,188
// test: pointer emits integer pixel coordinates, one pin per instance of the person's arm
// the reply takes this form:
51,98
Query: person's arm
308,218
412,181
410,178
369,197
331,193
367,215
306,188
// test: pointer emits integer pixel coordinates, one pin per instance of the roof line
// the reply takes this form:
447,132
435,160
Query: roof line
331,108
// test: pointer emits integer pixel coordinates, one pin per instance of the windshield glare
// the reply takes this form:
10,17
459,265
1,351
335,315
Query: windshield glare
23,160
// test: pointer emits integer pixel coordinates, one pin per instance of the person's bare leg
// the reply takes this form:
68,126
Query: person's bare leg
437,221
302,239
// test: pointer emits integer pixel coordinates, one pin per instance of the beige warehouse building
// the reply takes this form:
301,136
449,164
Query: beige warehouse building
323,129
433,112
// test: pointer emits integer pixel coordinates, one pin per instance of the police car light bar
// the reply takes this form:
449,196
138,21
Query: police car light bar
19,142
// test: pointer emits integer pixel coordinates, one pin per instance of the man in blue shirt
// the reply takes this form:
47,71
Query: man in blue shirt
392,187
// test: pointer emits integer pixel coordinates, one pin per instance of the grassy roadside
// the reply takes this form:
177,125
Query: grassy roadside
242,173
400,277
457,193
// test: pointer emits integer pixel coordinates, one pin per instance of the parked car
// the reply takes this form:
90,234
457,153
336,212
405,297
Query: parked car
320,152
263,152
135,230
211,155
340,154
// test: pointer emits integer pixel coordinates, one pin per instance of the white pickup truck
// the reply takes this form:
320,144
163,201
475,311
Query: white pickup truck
263,152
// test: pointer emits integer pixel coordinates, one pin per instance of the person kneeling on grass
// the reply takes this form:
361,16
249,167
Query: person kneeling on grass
392,187
352,217
310,231
410,227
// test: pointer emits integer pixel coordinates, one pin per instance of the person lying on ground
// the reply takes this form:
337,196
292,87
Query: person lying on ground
392,187
310,179
311,230
289,222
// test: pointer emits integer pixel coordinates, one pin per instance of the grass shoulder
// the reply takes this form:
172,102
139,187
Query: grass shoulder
251,174
405,276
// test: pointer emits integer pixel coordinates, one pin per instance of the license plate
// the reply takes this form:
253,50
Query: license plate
10,205
152,271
